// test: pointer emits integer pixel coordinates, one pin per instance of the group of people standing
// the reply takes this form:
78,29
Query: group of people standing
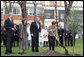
34,35
11,33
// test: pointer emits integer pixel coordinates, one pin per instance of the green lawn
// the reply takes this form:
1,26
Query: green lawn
78,50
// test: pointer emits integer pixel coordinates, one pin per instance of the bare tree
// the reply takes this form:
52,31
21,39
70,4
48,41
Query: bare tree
23,9
66,51
56,11
43,18
68,5
9,6
35,5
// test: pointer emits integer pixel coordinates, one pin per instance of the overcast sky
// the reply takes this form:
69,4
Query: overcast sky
77,3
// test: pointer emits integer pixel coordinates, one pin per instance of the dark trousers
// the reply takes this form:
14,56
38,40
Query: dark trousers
35,44
16,39
51,42
70,42
3,39
61,41
9,42
14,42
66,41
45,42
17,42
56,43
4,42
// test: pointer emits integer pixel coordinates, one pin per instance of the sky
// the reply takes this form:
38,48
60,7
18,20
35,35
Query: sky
77,3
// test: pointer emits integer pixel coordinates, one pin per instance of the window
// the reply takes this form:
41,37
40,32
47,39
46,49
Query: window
39,11
30,11
37,1
49,14
58,3
6,12
16,10
61,16
47,2
29,1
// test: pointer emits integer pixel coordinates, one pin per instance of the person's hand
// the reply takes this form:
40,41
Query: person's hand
12,28
32,35
4,29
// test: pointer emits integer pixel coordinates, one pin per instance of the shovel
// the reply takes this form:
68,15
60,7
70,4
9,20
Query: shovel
66,51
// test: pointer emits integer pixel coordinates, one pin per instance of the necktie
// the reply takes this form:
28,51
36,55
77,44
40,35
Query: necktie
12,21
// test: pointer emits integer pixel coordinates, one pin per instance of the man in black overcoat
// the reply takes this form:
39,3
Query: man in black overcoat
70,40
35,29
9,26
60,34
66,37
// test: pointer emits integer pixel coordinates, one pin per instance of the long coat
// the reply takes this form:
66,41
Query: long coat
35,31
41,39
9,34
45,35
23,37
52,30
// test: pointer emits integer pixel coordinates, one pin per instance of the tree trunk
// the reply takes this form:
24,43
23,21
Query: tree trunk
66,51
35,9
24,12
67,11
73,45
23,9
43,21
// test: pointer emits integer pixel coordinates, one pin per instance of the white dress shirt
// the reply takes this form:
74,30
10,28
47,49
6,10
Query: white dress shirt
10,19
37,25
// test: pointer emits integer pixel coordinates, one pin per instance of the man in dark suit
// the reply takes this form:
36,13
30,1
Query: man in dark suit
9,26
66,36
60,34
35,28
70,40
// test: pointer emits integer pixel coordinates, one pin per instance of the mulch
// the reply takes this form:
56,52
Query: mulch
53,53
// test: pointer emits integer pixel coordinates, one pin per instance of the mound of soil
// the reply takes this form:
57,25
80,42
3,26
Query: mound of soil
54,53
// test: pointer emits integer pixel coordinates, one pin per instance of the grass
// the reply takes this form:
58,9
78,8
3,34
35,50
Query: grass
78,50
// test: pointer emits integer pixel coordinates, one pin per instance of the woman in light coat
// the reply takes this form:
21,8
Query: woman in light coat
29,35
23,36
52,32
41,38
45,36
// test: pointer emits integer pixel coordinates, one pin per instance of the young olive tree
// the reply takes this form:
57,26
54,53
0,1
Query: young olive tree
73,23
